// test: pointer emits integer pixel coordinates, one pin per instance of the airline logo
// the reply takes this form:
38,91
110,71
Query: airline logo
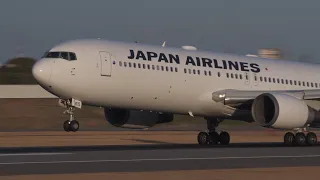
195,61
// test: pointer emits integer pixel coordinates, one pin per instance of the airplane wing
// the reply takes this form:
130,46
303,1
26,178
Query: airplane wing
23,91
232,97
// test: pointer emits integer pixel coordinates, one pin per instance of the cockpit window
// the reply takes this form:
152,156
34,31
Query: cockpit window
53,55
70,56
73,56
64,55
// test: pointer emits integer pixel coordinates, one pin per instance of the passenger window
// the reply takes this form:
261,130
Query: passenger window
139,65
120,63
303,83
72,56
307,84
290,82
171,68
240,76
153,68
261,79
176,69
205,73
219,74
189,71
227,75
286,81
269,79
236,76
129,64
232,75
278,80
282,81
185,70
143,66
274,80
148,66
265,79
162,68
209,73
134,65
295,82
199,72
167,69
311,84
247,77
316,84
194,71
299,83
125,64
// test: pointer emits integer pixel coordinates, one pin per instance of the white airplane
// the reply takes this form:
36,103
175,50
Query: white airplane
140,86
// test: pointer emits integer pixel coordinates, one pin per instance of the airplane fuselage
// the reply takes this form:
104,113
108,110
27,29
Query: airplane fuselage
144,77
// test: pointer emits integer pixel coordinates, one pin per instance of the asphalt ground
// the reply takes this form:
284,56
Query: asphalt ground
150,158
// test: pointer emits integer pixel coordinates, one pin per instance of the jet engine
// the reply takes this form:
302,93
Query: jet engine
134,119
282,111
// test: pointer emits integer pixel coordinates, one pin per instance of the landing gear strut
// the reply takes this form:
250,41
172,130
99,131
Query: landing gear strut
212,137
71,124
301,138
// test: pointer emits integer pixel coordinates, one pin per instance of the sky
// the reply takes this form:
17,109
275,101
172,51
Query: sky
31,27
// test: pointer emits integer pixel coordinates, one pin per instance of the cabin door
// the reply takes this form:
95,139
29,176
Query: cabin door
106,64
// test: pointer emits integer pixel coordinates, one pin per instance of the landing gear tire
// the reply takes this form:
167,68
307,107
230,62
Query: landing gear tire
213,138
71,126
311,139
224,138
300,139
74,126
203,138
66,126
289,139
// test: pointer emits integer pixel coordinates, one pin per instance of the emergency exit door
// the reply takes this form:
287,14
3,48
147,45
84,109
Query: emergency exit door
106,64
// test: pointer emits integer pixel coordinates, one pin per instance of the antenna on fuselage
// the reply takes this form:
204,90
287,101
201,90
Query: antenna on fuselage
164,44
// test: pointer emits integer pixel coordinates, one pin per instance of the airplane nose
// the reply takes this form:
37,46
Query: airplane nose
41,71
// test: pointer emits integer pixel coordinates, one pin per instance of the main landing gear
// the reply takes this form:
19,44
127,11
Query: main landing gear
212,137
71,124
300,138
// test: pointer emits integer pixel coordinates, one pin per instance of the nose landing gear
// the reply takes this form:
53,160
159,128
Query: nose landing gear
71,124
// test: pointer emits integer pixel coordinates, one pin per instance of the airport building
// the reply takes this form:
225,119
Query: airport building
273,53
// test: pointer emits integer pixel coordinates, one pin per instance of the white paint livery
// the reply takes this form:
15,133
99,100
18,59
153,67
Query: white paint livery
104,75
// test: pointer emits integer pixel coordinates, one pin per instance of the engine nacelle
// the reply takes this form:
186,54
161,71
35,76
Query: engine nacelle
282,111
134,119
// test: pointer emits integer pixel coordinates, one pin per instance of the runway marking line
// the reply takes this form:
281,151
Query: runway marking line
33,154
168,159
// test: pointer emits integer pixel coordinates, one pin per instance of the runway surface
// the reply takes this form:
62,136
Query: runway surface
161,157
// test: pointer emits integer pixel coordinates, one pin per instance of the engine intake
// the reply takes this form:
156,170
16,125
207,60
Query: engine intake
282,111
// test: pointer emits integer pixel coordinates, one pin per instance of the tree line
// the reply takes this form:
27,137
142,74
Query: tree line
17,71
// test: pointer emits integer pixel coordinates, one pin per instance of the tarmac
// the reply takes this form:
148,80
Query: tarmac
145,152
150,158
